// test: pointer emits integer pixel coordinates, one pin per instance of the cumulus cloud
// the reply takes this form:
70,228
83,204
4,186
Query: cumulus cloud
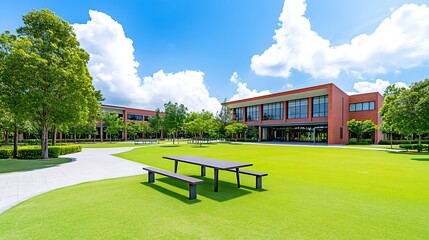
379,85
401,41
114,69
242,90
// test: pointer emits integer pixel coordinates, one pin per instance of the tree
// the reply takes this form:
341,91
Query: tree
236,129
134,128
201,123
225,118
406,111
113,122
360,128
156,123
53,79
175,116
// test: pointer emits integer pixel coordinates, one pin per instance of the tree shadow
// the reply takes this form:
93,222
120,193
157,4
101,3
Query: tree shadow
200,146
421,159
170,146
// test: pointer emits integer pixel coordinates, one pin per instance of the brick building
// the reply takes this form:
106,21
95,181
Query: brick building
312,114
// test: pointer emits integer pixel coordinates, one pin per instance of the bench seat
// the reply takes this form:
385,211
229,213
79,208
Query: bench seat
190,180
258,176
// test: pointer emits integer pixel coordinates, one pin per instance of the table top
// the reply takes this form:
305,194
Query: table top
208,162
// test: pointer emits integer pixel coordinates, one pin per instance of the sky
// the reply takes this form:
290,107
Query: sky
145,53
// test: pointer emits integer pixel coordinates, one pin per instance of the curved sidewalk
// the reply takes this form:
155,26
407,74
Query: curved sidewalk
90,165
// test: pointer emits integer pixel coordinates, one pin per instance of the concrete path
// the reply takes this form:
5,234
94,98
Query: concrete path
90,165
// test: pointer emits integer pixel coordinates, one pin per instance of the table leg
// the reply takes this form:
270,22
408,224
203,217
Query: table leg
175,166
203,171
216,179
237,173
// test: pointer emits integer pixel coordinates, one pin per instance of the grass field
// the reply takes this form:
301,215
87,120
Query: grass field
310,193
17,165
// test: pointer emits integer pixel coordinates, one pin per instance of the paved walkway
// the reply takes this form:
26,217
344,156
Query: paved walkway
90,165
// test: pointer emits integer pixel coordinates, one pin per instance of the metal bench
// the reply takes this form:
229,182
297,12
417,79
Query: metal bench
190,180
258,176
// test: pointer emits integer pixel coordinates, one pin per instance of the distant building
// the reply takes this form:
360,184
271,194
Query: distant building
312,114
127,114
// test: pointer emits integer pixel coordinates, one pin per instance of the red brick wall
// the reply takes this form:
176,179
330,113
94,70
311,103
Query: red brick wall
337,115
371,114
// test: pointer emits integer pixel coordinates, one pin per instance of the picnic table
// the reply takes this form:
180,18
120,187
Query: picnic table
212,163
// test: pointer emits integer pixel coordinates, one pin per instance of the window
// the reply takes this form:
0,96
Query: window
146,118
297,109
135,117
362,106
272,111
320,106
239,114
252,113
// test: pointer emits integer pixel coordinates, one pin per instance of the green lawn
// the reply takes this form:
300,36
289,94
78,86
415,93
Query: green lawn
17,165
110,145
310,193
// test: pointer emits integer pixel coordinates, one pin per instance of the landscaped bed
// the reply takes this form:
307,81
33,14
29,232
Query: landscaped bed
310,193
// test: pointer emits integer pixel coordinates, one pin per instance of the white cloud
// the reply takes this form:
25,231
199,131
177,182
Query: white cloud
243,91
114,69
399,42
379,85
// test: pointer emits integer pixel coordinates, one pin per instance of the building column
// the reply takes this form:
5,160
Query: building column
260,113
125,122
260,133
284,111
310,108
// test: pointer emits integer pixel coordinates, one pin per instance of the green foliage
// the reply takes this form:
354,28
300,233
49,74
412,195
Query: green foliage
156,123
236,129
134,128
113,122
34,152
396,142
360,128
418,147
175,116
353,141
44,75
5,153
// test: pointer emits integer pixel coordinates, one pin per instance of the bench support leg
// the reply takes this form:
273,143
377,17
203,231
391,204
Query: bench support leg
216,179
192,192
151,177
237,173
258,182
175,166
203,171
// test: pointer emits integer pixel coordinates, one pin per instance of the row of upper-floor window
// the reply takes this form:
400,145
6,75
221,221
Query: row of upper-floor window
137,117
274,111
362,106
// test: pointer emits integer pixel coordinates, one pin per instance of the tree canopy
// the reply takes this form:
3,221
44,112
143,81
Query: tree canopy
44,70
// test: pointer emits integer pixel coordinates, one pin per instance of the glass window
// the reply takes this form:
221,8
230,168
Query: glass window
365,106
362,106
239,114
135,117
252,113
298,109
320,106
272,111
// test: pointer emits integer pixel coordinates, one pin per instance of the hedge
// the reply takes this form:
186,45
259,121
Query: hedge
418,147
35,152
396,142
353,141
6,153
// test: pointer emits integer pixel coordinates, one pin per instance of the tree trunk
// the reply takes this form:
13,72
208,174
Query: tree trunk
391,140
7,137
420,139
54,136
44,142
15,142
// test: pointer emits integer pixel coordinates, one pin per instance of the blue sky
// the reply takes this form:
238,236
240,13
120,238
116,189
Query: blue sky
145,53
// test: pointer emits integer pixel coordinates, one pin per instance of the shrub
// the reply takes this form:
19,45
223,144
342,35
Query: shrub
67,149
35,152
6,153
368,141
418,147
396,142
353,141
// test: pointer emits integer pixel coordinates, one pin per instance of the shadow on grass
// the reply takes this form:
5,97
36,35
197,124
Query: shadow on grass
421,159
170,146
180,197
227,190
200,146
